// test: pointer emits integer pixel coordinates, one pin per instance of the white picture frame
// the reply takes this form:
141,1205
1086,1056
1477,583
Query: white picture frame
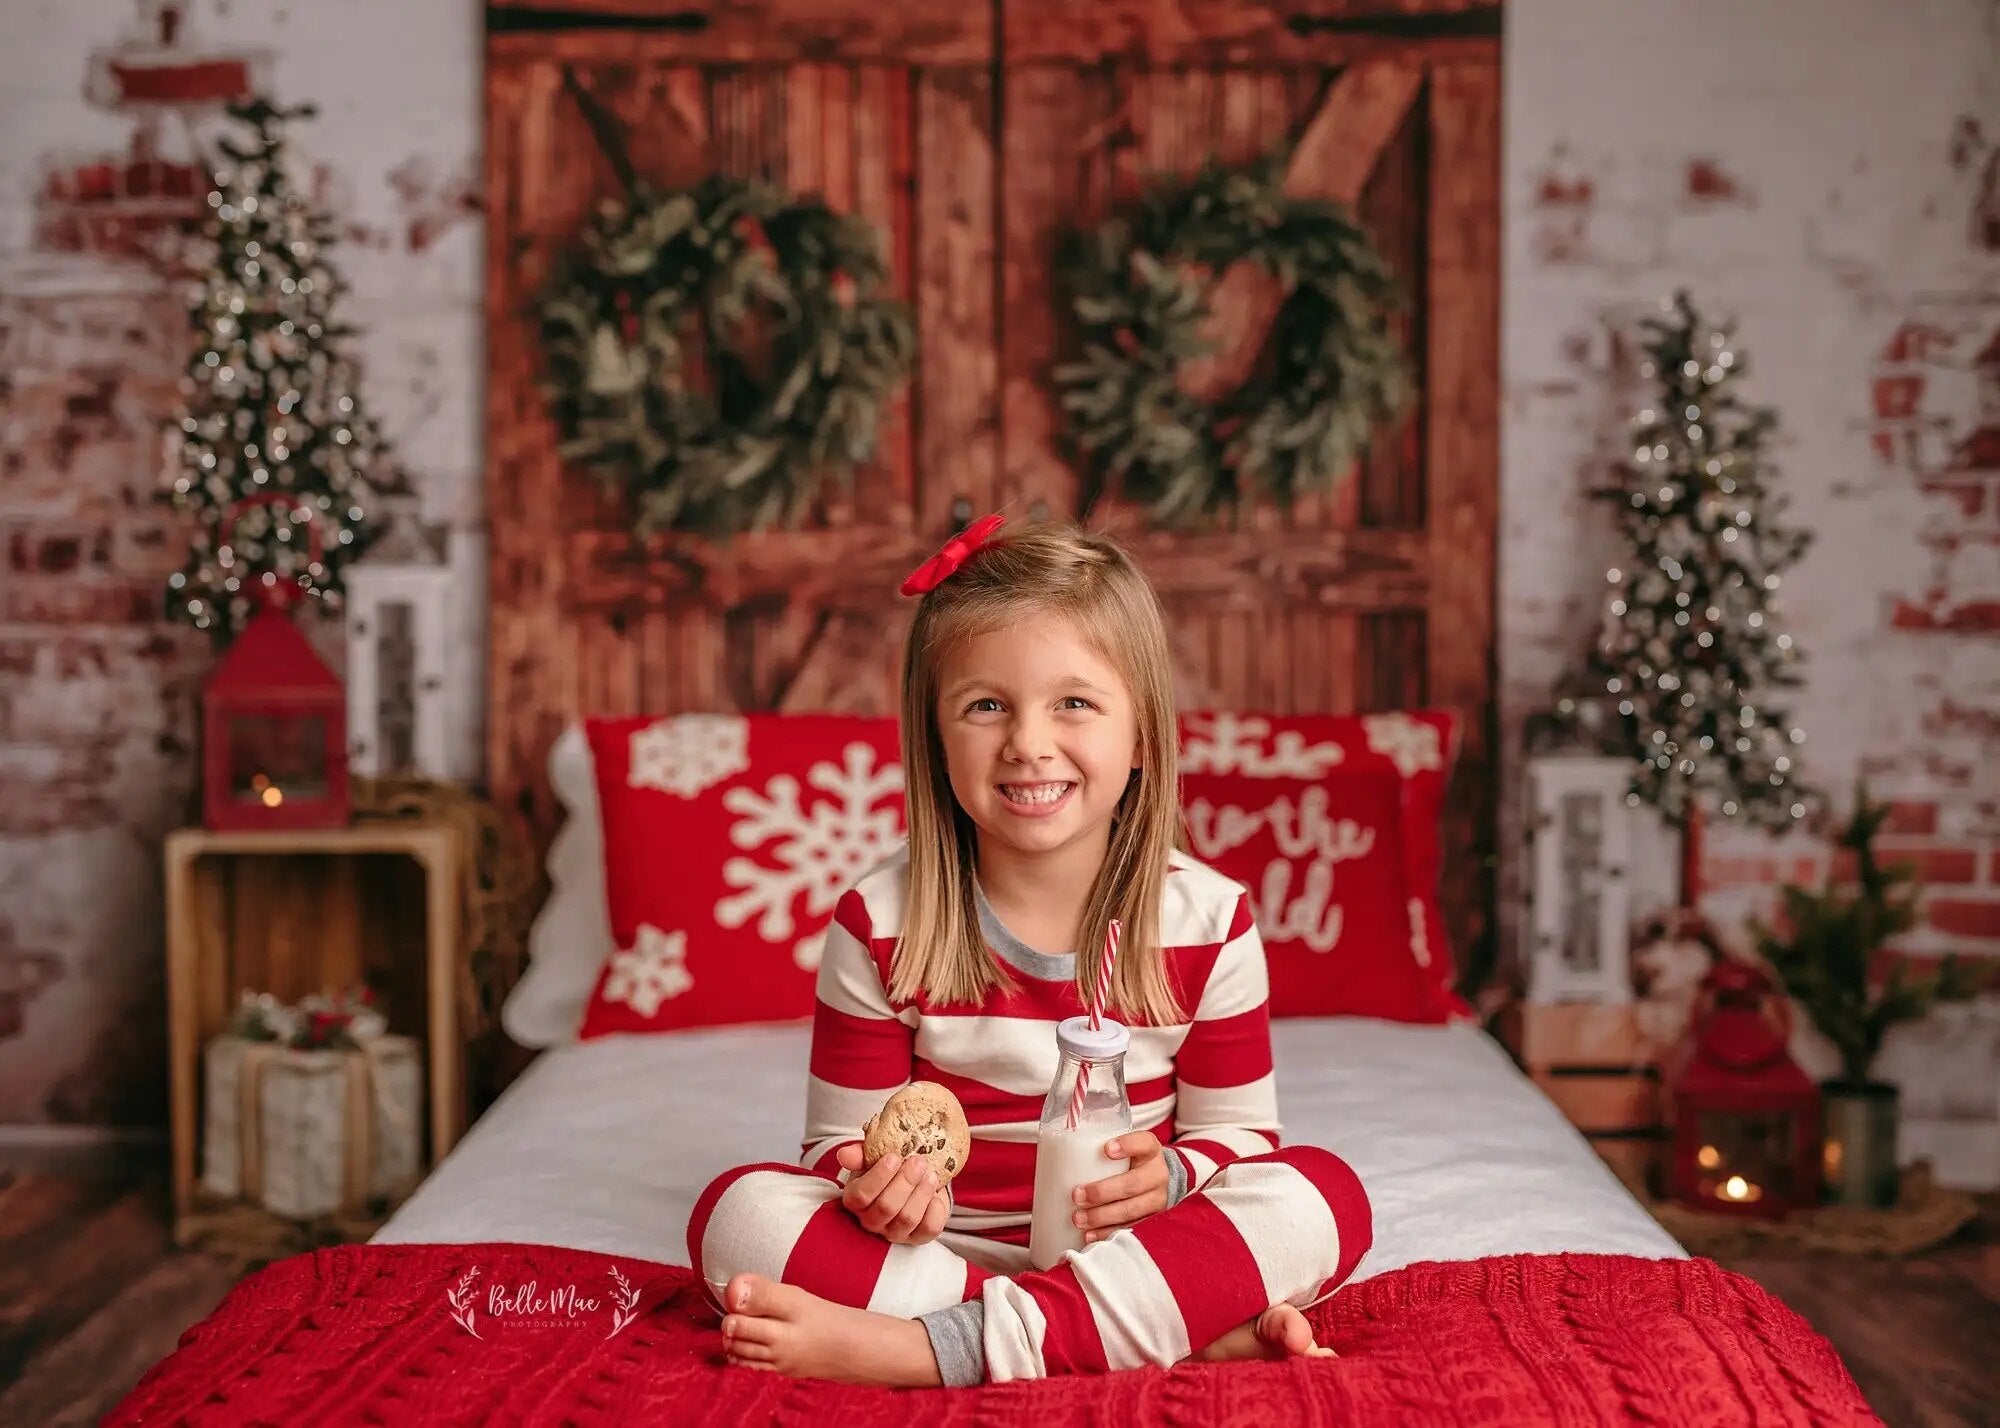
415,639
398,652
1579,914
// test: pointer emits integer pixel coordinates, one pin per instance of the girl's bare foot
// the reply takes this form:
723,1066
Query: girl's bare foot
781,1327
1280,1332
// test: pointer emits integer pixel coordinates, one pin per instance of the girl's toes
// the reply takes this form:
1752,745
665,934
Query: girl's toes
1284,1328
746,1329
748,1294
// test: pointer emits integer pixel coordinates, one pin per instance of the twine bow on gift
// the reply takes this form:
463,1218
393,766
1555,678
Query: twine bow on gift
359,1107
341,1025
316,1022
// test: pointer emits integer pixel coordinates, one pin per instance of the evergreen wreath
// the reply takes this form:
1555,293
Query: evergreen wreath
719,351
1330,367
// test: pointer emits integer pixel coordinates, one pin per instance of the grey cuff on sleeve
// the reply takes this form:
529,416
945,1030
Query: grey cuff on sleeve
958,1339
1177,1178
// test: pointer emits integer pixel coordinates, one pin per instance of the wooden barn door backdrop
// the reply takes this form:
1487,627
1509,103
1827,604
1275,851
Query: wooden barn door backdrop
971,135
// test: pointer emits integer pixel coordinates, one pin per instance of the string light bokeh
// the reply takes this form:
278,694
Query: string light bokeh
1691,665
270,397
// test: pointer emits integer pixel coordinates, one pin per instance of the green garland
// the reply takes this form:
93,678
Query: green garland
1330,368
719,351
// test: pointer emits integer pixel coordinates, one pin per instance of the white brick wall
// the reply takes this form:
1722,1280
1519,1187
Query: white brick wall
1817,168
96,695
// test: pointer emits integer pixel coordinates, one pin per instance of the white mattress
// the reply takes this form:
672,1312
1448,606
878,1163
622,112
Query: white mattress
606,1144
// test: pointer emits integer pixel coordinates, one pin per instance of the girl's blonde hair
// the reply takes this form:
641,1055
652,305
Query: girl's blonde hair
1090,581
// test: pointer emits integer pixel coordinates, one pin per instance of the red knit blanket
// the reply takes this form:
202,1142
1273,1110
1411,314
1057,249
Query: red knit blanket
524,1334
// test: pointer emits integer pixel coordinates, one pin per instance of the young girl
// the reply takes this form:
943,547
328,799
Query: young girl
1039,752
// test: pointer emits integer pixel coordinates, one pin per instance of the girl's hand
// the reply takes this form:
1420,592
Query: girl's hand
898,1199
1119,1200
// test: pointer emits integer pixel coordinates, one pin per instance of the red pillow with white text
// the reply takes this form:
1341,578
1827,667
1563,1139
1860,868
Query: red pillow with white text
728,838
1331,822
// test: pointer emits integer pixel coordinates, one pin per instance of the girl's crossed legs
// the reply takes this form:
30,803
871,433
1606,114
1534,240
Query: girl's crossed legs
809,1291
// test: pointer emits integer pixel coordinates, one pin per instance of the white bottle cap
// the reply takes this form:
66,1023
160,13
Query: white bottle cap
1108,1040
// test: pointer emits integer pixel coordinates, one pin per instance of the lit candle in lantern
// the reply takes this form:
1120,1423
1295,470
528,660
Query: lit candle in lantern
268,793
1708,1157
1740,1190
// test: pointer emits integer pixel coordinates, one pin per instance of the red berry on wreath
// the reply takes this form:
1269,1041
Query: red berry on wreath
1127,340
842,287
753,235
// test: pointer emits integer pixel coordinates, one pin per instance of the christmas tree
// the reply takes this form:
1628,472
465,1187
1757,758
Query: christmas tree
273,454
1689,667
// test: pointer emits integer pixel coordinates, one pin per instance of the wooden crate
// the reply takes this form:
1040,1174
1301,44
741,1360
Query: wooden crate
1579,1035
1603,1101
1591,1061
295,912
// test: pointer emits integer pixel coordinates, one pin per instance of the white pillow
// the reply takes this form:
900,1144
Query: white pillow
571,936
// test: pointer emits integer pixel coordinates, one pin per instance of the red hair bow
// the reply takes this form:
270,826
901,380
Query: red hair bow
940,567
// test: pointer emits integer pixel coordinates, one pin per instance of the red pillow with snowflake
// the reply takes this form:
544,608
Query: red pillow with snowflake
1331,822
728,838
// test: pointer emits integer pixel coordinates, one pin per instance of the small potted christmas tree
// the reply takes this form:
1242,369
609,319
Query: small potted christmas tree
1826,949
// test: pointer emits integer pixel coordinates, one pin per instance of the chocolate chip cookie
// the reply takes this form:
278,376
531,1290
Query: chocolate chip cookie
921,1119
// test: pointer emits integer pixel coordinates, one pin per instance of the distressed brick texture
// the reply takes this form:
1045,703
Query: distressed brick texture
98,697
1724,152
1786,165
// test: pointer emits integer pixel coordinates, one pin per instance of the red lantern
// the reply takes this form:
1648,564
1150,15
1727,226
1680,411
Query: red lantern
274,728
1746,1117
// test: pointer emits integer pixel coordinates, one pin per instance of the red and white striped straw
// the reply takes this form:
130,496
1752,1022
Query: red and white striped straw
1097,999
1104,966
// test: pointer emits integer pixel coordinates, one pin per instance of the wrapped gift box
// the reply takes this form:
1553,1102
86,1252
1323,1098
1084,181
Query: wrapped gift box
311,1132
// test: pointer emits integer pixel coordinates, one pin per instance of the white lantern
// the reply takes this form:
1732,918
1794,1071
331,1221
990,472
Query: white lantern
409,668
1579,913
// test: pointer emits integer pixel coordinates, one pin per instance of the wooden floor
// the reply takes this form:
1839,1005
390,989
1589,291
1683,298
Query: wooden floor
1921,1336
91,1296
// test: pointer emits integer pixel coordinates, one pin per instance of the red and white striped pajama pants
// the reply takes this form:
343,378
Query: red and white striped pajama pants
1288,1226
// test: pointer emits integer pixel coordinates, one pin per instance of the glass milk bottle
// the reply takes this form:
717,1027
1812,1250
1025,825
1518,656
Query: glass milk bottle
1066,1156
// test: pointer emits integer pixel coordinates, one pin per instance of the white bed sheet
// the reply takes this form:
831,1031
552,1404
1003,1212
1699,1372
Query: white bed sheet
605,1145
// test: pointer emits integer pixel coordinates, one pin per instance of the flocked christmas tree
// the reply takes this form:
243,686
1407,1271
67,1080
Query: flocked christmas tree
1690,667
273,417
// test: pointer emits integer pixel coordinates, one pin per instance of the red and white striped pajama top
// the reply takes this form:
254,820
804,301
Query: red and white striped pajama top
1204,1086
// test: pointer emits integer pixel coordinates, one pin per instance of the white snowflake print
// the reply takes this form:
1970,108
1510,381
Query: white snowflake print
1410,744
651,971
807,950
688,753
1420,947
1234,743
820,848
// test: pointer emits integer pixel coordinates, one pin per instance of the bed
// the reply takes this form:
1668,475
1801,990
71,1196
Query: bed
1512,1281
1462,1157
537,1275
